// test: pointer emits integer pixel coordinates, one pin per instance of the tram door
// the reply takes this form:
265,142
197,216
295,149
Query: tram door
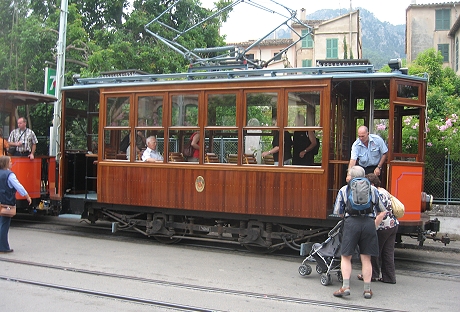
397,114
407,146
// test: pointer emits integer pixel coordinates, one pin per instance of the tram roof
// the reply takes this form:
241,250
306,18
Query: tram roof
331,72
24,97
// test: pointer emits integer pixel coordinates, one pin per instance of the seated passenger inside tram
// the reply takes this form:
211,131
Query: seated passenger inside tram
151,154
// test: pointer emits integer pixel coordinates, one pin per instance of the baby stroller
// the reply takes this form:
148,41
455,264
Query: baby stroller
326,255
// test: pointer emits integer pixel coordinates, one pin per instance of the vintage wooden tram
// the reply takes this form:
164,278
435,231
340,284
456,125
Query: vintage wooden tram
38,176
231,194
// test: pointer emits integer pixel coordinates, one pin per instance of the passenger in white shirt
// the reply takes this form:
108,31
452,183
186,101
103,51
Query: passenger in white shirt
151,154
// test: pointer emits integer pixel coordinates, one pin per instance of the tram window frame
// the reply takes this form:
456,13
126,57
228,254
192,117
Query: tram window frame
182,122
223,152
181,131
404,120
116,131
266,125
150,127
227,131
311,119
408,93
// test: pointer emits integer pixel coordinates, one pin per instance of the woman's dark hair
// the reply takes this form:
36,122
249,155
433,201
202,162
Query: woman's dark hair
374,179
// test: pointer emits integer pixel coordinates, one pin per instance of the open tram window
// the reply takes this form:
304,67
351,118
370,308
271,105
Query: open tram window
114,147
178,139
79,122
221,146
304,123
262,106
407,133
261,112
221,132
149,123
221,110
116,127
256,141
408,91
184,110
150,111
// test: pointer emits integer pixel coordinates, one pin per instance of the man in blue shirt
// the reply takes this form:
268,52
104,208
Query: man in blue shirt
368,151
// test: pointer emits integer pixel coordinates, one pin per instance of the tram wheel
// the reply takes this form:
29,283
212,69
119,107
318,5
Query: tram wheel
167,240
305,270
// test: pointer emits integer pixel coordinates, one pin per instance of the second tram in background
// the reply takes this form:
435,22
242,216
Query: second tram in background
231,193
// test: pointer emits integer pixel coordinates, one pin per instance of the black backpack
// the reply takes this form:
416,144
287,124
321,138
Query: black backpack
359,197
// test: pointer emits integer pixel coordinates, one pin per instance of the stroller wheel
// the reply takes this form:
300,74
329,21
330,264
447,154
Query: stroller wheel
305,270
319,270
326,279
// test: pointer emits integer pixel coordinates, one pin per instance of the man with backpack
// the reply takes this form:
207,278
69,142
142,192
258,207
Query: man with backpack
358,202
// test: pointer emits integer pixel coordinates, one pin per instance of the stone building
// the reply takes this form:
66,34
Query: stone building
335,39
435,26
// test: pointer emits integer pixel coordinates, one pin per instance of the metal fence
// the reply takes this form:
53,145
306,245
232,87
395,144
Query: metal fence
442,178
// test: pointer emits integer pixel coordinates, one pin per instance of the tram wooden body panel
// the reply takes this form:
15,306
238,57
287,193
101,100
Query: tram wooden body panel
233,190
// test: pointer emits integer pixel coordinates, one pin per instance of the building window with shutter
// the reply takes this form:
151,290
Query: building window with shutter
306,63
444,48
307,41
442,19
332,48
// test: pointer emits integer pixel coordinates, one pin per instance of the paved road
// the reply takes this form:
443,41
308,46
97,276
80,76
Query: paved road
258,283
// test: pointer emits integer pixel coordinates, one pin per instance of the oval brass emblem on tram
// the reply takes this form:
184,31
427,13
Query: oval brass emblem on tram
199,184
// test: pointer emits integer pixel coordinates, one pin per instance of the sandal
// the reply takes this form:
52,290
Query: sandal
360,277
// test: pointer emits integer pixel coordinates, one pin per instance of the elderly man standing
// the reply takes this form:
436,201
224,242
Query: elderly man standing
358,230
151,154
24,139
368,151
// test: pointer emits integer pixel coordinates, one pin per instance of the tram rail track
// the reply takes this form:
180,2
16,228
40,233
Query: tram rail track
172,305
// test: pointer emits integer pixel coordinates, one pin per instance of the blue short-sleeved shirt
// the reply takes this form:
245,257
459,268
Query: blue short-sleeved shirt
370,155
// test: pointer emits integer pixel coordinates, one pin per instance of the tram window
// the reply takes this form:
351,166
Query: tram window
221,110
256,141
184,110
221,144
408,91
177,140
306,104
150,110
381,128
262,106
113,147
117,111
360,105
407,132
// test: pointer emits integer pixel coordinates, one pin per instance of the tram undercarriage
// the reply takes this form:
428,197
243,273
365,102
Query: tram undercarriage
169,228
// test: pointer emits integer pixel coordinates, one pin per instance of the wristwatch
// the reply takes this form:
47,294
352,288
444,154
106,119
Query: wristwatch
379,167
